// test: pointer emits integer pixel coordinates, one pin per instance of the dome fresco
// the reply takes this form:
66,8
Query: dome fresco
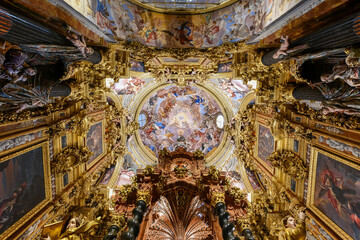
178,116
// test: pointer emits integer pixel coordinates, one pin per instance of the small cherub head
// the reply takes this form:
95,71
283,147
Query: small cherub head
74,223
289,222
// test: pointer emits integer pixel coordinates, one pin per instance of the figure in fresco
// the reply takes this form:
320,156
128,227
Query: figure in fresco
175,112
102,16
293,230
183,34
128,86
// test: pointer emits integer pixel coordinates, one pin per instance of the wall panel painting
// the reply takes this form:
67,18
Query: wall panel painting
253,179
266,144
95,142
105,178
24,186
334,192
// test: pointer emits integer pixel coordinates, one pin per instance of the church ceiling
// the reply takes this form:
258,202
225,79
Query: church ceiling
125,20
175,115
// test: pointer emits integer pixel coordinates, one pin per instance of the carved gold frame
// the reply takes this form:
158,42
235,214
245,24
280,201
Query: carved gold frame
262,162
36,209
311,190
103,144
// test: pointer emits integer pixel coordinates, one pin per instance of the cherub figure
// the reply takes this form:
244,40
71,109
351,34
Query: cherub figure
283,47
79,42
293,230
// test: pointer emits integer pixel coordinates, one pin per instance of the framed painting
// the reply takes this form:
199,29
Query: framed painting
24,187
334,192
265,145
96,142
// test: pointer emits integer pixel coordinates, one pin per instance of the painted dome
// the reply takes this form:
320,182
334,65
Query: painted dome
175,116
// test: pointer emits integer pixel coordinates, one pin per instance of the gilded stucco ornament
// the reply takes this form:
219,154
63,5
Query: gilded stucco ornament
281,127
341,120
144,195
80,123
242,133
146,53
69,158
289,162
217,197
181,171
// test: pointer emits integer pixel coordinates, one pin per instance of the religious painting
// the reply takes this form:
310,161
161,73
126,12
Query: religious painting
234,89
104,17
334,192
128,86
181,117
233,23
137,66
105,178
266,144
24,186
95,142
253,179
236,180
224,67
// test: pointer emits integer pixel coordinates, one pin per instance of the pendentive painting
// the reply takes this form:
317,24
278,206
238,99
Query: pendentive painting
23,186
266,144
254,181
95,142
335,186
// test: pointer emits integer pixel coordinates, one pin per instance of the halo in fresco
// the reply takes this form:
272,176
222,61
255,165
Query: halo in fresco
181,117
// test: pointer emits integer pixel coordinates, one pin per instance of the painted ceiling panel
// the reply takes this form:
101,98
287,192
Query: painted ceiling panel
234,23
178,116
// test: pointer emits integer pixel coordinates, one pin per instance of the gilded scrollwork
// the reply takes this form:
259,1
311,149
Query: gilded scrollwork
281,127
289,162
69,158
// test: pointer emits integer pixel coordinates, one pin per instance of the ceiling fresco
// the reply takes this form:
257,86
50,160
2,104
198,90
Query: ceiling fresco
177,116
230,24
129,86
